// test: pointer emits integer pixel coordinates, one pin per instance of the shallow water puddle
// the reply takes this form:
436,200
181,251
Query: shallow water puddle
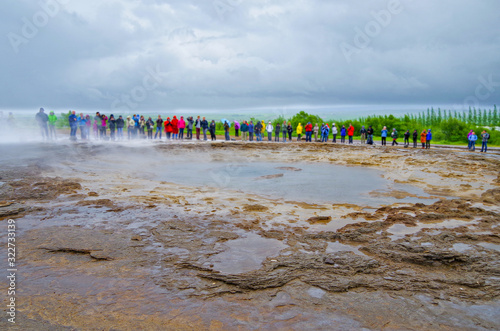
491,246
462,248
314,183
246,254
399,231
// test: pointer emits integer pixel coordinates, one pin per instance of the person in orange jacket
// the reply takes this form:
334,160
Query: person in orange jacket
350,133
168,128
423,138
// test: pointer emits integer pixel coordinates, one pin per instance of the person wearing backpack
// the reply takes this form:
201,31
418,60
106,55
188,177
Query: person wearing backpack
369,135
485,136
415,136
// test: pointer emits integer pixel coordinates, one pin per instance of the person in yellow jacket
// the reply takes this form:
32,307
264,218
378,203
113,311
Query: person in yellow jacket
299,131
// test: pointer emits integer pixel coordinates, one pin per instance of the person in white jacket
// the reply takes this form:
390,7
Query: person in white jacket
334,132
269,129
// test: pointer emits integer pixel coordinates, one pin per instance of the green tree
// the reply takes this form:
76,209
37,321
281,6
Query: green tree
495,120
453,130
303,118
470,118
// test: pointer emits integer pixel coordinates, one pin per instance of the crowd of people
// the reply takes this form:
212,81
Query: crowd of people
137,126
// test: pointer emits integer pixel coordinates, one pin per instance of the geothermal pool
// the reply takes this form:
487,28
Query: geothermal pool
298,181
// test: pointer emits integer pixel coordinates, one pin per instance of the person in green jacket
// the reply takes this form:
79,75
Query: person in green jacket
394,135
52,125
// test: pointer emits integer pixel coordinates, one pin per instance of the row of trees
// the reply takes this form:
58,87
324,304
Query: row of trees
478,117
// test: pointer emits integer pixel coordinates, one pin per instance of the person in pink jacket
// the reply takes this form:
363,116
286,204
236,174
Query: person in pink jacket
102,129
181,125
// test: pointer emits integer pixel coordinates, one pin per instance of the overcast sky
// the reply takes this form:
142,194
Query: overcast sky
234,54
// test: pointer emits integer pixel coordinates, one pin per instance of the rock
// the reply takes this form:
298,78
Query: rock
255,208
320,219
269,176
9,209
491,196
289,168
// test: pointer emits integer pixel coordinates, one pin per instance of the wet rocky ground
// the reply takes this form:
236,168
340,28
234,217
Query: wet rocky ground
113,237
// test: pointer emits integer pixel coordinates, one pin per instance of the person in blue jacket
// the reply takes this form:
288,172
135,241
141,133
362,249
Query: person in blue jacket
472,140
250,130
428,139
73,121
82,124
325,131
384,136
343,133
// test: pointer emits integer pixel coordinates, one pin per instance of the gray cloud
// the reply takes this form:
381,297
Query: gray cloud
241,54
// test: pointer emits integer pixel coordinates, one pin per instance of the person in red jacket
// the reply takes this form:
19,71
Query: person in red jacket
308,129
168,128
175,128
350,133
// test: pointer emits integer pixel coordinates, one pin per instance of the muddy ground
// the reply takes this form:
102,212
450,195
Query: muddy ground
104,243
